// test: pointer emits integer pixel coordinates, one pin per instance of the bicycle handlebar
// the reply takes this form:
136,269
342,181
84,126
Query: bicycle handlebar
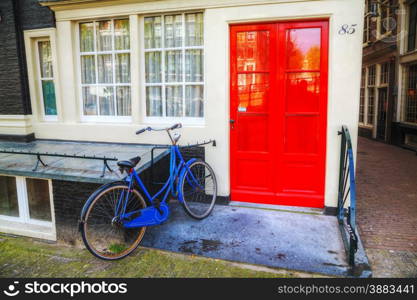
175,126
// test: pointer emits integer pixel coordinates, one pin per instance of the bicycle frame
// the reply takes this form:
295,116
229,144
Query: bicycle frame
158,211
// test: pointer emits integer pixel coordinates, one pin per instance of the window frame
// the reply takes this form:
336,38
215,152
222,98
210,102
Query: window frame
362,96
408,23
23,204
405,106
40,79
102,118
367,24
142,50
384,5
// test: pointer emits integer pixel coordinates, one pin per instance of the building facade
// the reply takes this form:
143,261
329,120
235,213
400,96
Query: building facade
388,104
272,81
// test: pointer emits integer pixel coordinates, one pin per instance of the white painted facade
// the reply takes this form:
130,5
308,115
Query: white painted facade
345,54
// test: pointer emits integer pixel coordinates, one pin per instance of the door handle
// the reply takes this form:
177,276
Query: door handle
232,123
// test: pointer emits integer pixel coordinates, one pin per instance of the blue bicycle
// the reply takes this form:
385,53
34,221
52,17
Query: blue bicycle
115,216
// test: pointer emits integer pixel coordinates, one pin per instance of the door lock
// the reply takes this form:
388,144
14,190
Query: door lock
232,123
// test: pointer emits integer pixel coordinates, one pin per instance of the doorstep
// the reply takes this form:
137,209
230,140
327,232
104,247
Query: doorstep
273,238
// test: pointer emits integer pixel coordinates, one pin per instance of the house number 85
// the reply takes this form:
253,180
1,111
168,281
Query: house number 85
347,29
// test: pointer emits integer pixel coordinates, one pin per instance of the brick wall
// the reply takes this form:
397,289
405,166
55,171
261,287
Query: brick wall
10,82
32,15
69,198
17,15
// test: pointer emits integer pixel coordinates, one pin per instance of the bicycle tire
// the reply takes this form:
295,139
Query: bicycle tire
197,202
108,248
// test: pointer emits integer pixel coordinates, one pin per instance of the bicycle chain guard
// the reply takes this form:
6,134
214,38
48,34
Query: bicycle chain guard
149,216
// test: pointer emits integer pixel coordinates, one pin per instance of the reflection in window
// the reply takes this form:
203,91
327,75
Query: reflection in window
8,197
38,199
253,92
303,91
253,51
304,48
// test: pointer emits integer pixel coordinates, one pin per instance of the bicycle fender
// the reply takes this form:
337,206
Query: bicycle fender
93,195
182,173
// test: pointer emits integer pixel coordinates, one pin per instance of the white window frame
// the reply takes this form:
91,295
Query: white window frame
31,37
405,78
40,79
164,119
371,123
383,5
103,118
26,225
367,24
364,79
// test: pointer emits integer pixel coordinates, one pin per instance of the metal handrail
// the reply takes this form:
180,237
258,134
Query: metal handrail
39,159
199,144
347,187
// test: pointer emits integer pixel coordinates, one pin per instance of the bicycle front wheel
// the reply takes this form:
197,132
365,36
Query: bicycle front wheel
103,232
198,189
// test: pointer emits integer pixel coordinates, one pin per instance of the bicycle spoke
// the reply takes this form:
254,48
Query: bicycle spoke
104,233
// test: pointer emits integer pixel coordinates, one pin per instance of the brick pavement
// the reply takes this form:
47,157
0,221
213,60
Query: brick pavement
387,207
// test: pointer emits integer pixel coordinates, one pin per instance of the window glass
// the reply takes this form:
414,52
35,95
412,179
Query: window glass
105,68
174,65
38,199
8,197
412,26
411,94
47,78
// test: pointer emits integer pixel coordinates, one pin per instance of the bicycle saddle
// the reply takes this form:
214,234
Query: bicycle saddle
131,163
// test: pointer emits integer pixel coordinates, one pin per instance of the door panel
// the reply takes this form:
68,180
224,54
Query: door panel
278,112
252,110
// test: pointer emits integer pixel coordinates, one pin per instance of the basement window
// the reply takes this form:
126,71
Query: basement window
26,207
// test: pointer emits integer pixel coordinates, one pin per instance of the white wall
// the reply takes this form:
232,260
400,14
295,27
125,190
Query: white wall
344,75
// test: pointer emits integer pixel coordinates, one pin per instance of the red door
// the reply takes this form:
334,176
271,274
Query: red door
278,112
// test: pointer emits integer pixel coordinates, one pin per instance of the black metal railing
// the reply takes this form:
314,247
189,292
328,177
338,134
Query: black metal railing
40,154
199,144
346,211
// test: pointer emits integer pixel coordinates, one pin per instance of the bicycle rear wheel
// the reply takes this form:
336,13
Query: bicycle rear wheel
198,189
102,232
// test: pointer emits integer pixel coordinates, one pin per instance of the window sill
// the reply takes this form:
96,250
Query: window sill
50,119
106,119
170,121
407,53
367,126
14,226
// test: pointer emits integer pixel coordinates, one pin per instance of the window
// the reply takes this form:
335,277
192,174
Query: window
366,29
411,94
384,76
412,26
25,200
362,97
371,75
174,62
46,79
387,22
105,67
411,140
8,197
371,94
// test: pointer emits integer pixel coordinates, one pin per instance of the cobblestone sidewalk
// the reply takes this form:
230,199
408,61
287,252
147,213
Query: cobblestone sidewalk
387,207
